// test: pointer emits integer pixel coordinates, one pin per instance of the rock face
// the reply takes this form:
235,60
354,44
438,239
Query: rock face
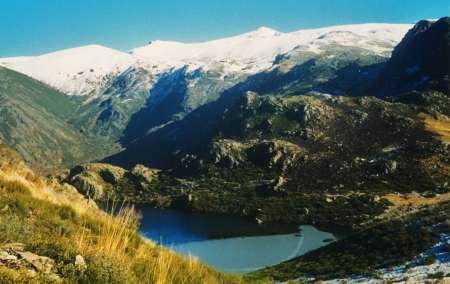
144,174
421,61
93,179
15,256
103,181
226,153
273,154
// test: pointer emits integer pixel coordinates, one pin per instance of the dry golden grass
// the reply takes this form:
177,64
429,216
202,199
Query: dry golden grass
438,124
407,199
43,189
407,203
115,235
303,99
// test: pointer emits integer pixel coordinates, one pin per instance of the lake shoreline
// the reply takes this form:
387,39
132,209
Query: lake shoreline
230,244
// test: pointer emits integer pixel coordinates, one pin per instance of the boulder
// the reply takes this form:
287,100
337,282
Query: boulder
13,246
28,256
144,174
385,167
87,186
390,166
226,153
9,257
93,179
79,262
278,183
38,266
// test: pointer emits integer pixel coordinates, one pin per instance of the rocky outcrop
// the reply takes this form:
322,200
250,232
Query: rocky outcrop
226,153
98,181
144,174
271,105
305,114
88,185
273,154
421,61
15,256
93,180
384,167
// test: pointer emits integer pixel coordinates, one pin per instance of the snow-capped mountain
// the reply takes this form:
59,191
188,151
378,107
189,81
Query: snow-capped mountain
77,71
146,92
89,69
263,45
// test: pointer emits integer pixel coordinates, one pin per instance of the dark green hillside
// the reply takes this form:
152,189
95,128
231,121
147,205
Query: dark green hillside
33,121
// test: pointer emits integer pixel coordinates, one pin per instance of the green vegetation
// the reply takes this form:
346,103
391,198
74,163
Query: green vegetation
405,179
380,246
247,191
437,275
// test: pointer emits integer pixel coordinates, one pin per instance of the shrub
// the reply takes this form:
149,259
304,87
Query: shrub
429,259
446,248
9,159
437,275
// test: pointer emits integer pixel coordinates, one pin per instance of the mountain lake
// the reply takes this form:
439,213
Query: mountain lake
230,244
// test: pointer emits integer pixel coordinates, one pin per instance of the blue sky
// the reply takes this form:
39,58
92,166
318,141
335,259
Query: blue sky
35,27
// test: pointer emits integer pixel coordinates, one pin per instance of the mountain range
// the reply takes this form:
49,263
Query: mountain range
123,99
343,126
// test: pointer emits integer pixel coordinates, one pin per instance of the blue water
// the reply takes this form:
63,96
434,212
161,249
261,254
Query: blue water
227,243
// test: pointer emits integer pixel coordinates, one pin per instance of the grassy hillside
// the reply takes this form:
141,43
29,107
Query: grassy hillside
34,122
55,222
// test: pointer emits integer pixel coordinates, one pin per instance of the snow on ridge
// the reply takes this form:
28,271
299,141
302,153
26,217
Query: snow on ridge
264,44
158,47
75,71
85,70
11,60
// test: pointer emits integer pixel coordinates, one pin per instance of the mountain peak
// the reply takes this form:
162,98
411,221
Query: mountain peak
264,32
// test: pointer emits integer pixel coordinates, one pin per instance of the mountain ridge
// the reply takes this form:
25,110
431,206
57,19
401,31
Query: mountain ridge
200,52
153,97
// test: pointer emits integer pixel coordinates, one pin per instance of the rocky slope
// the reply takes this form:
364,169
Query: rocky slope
146,99
295,160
